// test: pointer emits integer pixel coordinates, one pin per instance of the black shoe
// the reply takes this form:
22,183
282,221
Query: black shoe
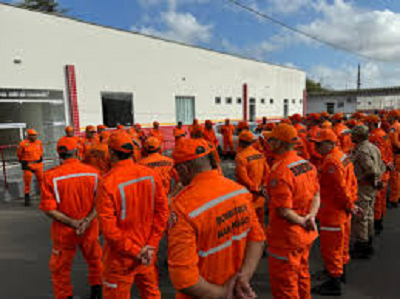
343,278
70,297
390,205
96,292
362,251
321,275
378,226
27,200
331,287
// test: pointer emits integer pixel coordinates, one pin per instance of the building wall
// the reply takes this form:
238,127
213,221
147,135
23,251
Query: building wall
317,104
155,71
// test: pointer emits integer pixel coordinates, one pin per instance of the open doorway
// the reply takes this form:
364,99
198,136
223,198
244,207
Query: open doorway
286,109
330,108
117,108
252,110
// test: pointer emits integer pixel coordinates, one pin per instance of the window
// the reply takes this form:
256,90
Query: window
358,103
262,101
286,101
294,101
301,101
349,100
185,109
271,101
252,101
239,101
117,108
370,103
340,104
217,100
228,100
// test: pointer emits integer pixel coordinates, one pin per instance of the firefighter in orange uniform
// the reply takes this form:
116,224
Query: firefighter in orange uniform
198,133
86,141
342,132
293,205
381,140
102,129
338,194
314,121
394,135
156,132
68,198
262,126
252,171
132,209
163,165
30,155
214,239
300,128
70,133
209,134
227,132
97,155
193,126
179,132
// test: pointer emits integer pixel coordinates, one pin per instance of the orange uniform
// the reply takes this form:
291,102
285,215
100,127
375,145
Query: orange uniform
97,155
252,171
394,134
179,134
208,231
133,210
338,195
227,132
70,189
30,154
209,135
380,139
84,145
341,132
302,149
293,184
164,166
301,130
159,135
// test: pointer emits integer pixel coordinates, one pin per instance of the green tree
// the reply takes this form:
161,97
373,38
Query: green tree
50,6
313,86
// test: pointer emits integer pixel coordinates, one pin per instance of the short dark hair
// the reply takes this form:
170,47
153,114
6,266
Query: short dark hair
122,155
180,123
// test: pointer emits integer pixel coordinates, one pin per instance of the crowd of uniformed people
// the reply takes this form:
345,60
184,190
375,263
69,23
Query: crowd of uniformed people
322,175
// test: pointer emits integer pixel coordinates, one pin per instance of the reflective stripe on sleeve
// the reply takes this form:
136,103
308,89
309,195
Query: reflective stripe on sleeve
215,202
330,229
225,245
70,176
296,163
343,158
278,257
110,285
123,196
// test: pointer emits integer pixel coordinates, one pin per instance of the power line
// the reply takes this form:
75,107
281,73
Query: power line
301,32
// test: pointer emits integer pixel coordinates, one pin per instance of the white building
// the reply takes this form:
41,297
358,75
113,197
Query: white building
57,70
349,101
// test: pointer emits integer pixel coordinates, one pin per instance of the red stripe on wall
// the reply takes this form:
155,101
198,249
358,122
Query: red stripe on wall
73,97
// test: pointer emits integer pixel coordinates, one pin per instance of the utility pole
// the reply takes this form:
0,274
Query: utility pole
359,78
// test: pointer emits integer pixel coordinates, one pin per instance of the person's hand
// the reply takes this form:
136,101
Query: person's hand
229,288
83,227
310,223
357,212
76,223
243,289
146,255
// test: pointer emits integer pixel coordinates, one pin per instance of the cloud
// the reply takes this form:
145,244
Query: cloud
172,4
288,7
182,27
374,33
258,51
373,74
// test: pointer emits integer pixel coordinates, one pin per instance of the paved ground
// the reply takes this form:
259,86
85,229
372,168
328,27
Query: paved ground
25,250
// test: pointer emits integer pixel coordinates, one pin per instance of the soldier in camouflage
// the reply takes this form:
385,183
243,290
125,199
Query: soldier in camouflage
368,167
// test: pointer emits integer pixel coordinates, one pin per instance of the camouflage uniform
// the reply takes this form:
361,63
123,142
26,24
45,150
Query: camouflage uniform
368,167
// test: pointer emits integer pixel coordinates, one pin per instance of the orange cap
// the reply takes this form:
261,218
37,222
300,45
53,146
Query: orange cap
69,129
208,122
314,116
152,143
372,119
121,142
138,126
246,136
325,114
190,149
101,127
285,132
156,123
286,121
393,113
326,125
90,129
270,126
120,127
337,116
31,132
325,135
243,125
67,144
296,117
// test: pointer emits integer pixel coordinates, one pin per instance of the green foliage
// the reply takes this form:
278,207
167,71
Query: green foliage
50,6
313,86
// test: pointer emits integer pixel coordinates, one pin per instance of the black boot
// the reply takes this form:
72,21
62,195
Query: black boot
96,292
331,287
27,200
378,227
361,251
343,278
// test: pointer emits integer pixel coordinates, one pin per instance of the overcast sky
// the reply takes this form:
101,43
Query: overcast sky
369,27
